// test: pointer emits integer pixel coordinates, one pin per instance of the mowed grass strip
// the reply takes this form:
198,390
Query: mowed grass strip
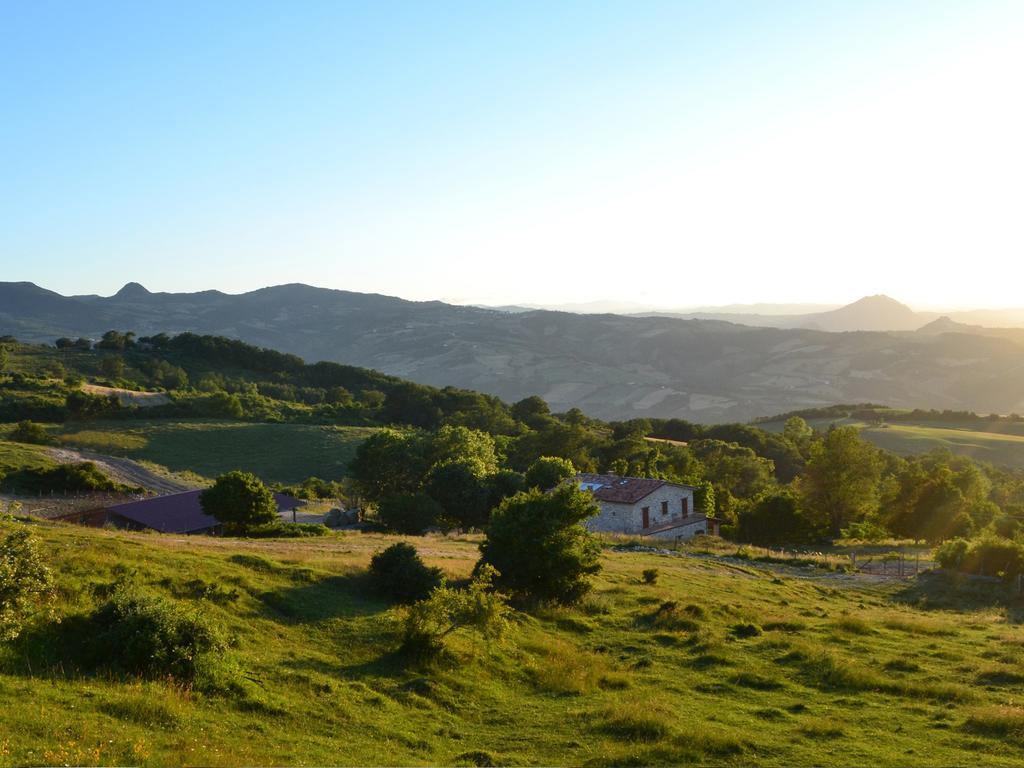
286,453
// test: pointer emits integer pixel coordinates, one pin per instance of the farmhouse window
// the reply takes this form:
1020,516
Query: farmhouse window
647,516
685,504
664,507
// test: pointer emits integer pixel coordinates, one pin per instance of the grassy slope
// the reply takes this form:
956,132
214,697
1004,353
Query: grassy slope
998,443
276,452
22,456
845,673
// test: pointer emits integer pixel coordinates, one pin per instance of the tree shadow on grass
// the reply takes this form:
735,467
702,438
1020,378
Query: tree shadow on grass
329,598
948,591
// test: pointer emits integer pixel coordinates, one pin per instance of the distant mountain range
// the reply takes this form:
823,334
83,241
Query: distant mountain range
872,313
612,366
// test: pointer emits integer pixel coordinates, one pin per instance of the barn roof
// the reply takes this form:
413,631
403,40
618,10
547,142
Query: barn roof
621,490
180,512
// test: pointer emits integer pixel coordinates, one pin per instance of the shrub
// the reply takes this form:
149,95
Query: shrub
155,637
410,513
399,574
479,608
539,546
26,586
986,556
29,432
283,530
650,575
64,478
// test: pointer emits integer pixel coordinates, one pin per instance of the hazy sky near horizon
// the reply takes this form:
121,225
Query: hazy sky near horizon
667,153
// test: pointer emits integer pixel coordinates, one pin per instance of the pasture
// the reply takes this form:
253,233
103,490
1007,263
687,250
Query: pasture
719,662
285,453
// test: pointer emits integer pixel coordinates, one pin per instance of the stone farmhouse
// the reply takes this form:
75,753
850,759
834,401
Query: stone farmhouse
641,506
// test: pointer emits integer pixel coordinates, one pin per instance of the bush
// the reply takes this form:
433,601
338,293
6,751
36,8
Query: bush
986,556
429,622
399,574
64,478
650,575
29,432
283,530
26,586
157,638
537,543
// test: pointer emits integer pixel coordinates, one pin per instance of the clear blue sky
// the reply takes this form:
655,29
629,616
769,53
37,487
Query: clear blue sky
675,153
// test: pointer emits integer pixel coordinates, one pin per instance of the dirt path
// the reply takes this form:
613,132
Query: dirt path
124,471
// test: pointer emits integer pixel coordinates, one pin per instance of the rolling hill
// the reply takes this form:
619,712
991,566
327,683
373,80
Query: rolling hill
611,366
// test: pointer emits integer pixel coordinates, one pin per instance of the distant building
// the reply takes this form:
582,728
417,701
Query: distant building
641,506
173,513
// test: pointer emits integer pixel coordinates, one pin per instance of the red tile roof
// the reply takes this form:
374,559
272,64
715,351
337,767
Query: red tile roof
180,512
621,490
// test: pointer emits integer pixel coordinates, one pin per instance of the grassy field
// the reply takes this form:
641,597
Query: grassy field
721,662
21,456
996,442
284,453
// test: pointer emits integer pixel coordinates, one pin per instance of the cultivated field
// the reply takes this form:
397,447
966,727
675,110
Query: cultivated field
722,662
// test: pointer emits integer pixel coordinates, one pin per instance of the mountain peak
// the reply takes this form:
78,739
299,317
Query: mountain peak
880,301
131,291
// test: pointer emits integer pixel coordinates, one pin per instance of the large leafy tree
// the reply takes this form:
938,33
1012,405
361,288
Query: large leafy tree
774,518
461,443
389,463
460,487
548,471
539,546
841,483
239,500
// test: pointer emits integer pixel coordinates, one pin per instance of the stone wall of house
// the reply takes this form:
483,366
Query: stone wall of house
665,507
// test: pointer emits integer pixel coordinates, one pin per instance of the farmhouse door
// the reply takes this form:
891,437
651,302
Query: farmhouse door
647,517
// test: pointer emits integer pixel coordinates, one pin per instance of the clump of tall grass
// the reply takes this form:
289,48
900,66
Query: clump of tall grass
1005,722
562,667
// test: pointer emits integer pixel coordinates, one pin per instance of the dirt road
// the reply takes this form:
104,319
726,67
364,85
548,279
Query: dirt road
124,471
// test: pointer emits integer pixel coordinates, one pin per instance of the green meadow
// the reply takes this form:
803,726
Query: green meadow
285,453
720,662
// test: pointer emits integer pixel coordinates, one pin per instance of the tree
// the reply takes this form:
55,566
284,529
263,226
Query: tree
112,367
798,432
389,463
116,341
460,488
410,513
399,574
532,411
539,546
4,358
774,518
461,443
841,483
26,585
64,343
239,500
548,471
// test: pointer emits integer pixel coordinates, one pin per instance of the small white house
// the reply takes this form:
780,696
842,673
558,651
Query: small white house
642,506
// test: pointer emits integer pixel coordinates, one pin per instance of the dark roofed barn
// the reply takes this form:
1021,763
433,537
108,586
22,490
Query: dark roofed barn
174,513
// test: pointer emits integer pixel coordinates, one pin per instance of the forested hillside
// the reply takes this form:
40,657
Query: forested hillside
609,366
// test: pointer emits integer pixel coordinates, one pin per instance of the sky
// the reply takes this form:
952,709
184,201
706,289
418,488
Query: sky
670,154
